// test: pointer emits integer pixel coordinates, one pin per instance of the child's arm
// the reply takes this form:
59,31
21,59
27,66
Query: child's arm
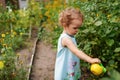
68,43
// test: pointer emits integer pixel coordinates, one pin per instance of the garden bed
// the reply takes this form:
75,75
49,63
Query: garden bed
26,54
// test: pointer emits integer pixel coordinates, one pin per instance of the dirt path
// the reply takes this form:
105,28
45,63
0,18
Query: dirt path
44,58
43,68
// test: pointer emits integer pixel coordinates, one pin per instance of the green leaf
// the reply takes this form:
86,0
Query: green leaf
114,75
110,42
113,19
117,49
111,62
105,78
93,42
85,31
98,23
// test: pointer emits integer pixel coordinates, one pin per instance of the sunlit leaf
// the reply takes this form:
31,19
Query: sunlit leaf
93,42
110,42
117,49
98,23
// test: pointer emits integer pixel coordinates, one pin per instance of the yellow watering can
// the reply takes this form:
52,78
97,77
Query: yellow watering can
97,69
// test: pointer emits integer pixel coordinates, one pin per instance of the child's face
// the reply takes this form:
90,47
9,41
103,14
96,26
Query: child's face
74,26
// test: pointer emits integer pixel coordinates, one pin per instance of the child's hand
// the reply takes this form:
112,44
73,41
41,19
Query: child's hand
95,60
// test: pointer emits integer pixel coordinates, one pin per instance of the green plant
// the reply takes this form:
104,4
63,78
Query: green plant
99,34
49,20
113,75
13,68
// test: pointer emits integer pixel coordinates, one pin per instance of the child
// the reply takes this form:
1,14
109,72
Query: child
68,55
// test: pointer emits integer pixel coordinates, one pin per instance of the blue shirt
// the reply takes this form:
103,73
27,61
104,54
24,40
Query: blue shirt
67,65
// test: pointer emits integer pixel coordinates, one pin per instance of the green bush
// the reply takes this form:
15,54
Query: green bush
99,35
100,32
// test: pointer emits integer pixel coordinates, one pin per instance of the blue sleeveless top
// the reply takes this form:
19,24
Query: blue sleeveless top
67,65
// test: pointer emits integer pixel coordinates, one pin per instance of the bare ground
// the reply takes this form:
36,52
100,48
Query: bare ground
43,61
43,66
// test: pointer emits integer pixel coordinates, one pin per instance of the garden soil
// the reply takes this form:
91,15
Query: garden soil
42,67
